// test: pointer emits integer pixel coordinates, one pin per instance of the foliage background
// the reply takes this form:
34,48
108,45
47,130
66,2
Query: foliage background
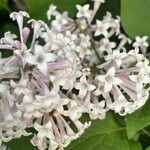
114,133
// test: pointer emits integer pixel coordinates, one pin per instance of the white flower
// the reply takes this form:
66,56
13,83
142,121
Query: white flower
21,87
135,53
50,11
37,29
83,86
97,110
143,76
123,41
109,79
141,42
18,16
4,70
83,24
100,89
117,56
28,107
49,101
23,53
85,40
106,45
41,58
140,78
54,145
101,1
3,88
44,130
75,111
85,44
101,28
8,38
44,101
65,78
41,143
59,22
83,11
80,126
121,106
144,66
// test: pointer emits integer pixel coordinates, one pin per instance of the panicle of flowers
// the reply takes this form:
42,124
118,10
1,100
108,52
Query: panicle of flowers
69,68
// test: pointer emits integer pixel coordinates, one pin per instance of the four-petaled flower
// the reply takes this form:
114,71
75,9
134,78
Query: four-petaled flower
106,45
41,58
101,28
140,42
109,79
83,86
117,56
44,130
83,11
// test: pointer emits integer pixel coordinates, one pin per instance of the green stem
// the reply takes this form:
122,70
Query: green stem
146,132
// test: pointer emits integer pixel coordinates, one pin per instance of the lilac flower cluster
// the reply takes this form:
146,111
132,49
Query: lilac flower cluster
68,69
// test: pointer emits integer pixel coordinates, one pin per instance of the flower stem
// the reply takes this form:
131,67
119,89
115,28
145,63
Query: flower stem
146,132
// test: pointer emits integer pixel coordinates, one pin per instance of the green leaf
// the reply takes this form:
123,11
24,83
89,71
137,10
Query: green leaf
4,5
12,27
138,120
106,134
148,148
111,6
135,146
22,143
38,8
135,17
144,140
